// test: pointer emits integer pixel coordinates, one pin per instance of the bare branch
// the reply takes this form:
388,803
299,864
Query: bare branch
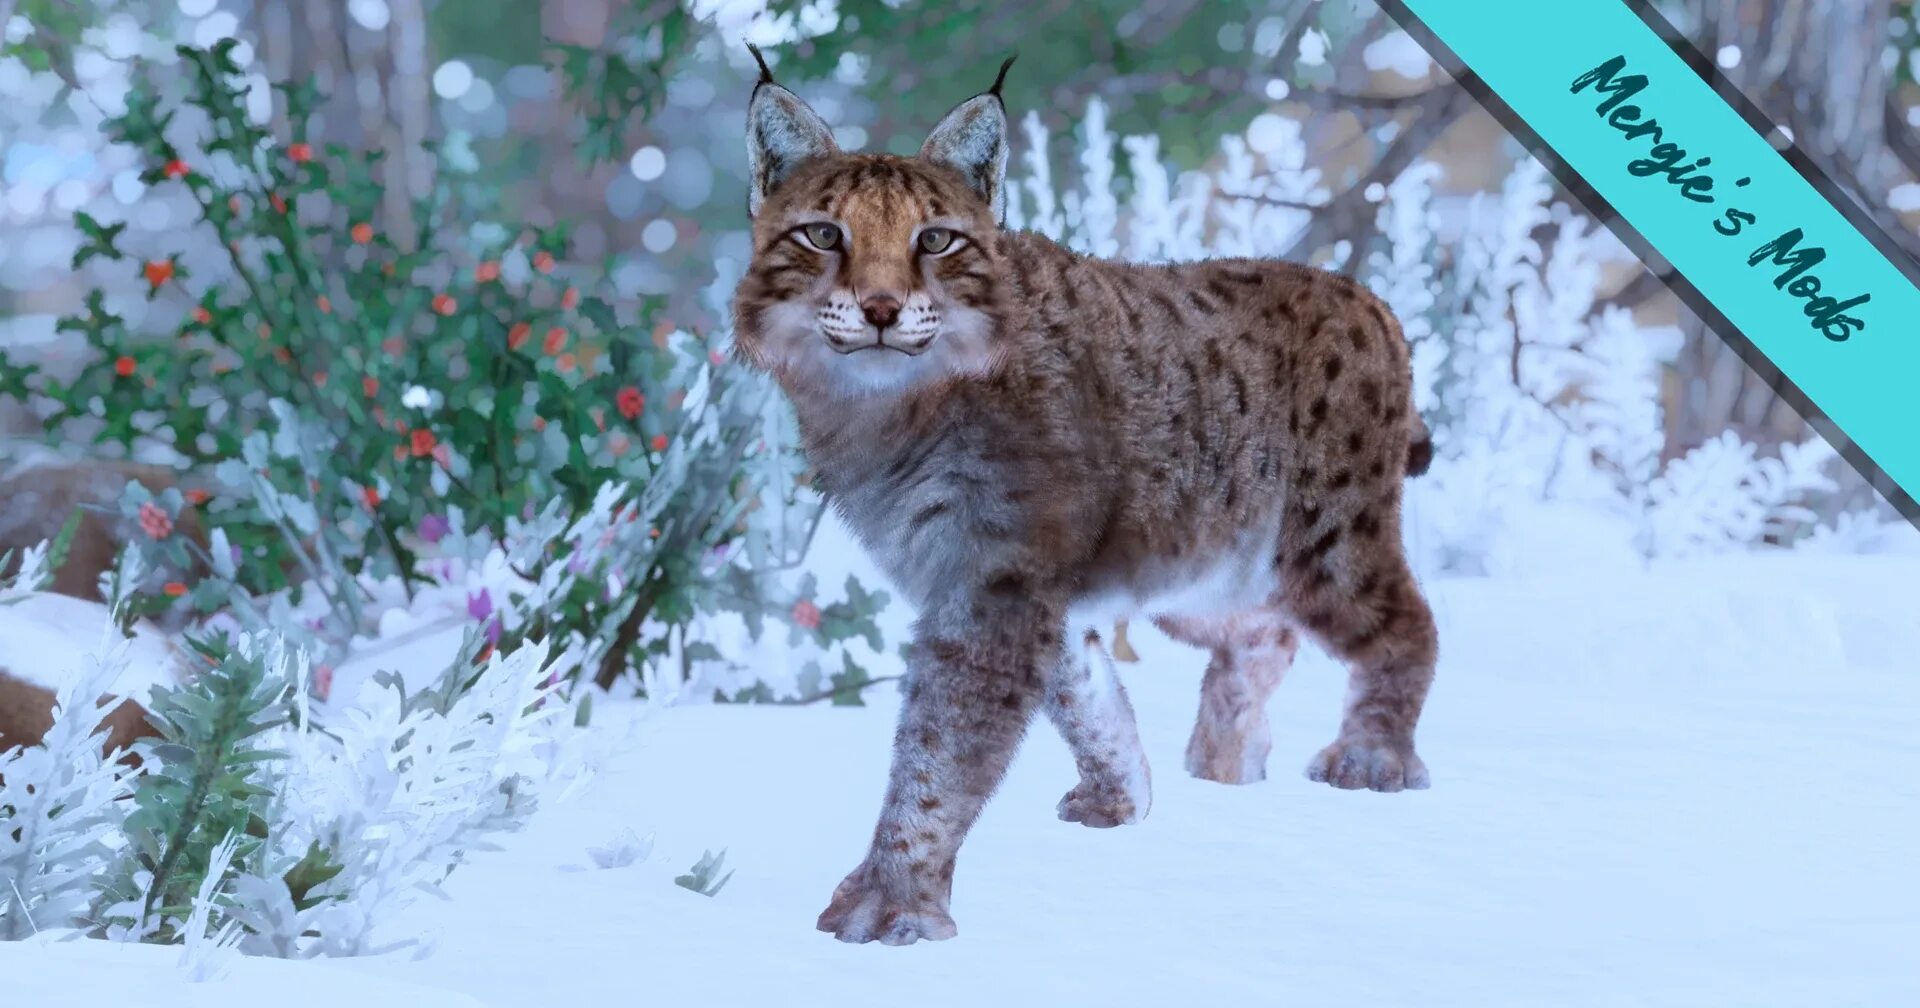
1350,214
1638,291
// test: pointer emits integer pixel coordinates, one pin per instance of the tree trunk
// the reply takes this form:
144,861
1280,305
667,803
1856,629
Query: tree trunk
376,83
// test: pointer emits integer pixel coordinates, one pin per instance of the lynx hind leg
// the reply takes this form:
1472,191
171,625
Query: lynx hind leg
1251,654
1345,581
1087,703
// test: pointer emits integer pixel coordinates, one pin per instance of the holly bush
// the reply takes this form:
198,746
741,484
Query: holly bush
463,368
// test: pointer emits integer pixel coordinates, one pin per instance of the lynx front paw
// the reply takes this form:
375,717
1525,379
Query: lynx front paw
1375,764
1102,805
862,910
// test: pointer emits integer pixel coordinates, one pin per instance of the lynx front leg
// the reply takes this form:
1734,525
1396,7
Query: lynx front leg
972,686
1090,707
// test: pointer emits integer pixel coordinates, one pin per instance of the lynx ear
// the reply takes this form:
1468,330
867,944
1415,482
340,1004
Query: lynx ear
782,134
972,140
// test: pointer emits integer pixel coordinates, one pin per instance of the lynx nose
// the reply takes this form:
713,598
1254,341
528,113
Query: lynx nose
882,310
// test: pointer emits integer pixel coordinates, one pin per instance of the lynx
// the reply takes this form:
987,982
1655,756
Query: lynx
1031,442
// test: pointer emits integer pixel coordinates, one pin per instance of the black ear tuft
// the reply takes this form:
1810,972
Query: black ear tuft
766,75
1001,77
782,134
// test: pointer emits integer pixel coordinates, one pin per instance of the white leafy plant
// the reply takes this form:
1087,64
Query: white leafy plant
398,793
60,809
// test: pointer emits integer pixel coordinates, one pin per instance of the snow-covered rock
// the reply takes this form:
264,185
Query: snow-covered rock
46,639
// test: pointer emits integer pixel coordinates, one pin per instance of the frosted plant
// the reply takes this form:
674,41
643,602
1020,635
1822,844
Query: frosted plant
1045,216
59,804
1097,213
1619,413
704,877
416,782
1150,223
33,574
1403,271
625,849
1720,496
208,950
1862,532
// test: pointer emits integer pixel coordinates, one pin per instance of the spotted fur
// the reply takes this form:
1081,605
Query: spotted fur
1030,441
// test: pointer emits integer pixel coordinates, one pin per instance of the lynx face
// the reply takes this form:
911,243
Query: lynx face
871,274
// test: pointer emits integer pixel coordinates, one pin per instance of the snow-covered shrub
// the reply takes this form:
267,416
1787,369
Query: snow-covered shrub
263,822
1539,403
60,806
394,793
1722,495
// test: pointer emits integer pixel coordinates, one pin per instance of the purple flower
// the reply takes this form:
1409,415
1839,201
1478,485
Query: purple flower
493,631
480,606
577,563
434,528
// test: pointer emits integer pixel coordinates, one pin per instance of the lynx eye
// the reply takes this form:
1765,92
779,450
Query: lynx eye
825,237
936,240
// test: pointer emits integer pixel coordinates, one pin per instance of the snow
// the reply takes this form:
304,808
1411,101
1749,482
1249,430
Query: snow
60,632
1398,52
1670,784
45,973
1904,198
1313,47
1677,787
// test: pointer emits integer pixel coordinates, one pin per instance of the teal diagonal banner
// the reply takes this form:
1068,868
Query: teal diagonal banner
1705,190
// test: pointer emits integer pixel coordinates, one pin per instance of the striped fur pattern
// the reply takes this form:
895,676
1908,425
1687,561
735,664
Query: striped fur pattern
1058,442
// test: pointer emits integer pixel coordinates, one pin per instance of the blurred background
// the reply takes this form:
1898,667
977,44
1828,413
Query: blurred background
1580,410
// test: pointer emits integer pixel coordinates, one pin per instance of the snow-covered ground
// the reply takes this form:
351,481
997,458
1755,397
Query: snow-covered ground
1697,785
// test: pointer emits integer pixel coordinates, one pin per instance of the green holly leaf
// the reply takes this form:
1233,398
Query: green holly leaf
96,239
